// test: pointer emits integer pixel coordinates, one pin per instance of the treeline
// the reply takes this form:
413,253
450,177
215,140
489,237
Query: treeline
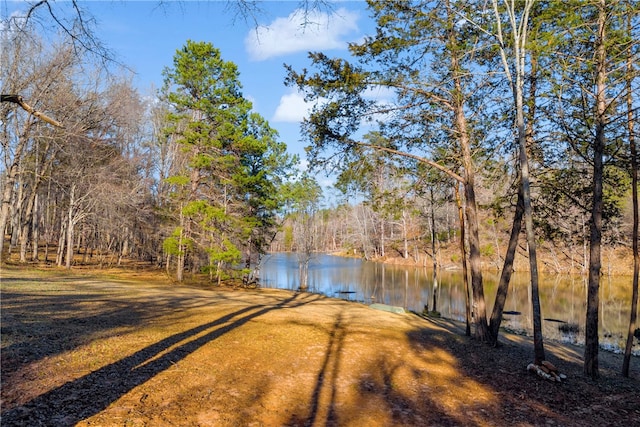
498,127
190,179
428,230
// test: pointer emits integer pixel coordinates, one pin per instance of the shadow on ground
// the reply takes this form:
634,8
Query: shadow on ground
86,396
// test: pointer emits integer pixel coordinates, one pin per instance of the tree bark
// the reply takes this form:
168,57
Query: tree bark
35,230
507,269
181,250
634,185
463,252
61,240
70,227
433,251
595,235
528,221
26,223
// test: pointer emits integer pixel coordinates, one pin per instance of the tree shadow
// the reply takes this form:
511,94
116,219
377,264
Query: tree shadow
38,324
86,396
501,370
381,386
377,390
325,380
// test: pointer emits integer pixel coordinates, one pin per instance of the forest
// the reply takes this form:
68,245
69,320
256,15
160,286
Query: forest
511,137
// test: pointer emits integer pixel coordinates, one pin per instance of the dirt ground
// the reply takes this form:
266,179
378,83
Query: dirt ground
128,349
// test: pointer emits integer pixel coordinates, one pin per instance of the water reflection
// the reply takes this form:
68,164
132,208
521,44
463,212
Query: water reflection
562,297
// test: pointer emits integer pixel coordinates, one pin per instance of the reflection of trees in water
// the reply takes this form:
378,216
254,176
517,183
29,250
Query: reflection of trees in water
563,297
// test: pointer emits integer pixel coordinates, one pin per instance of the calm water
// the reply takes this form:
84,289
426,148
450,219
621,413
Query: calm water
562,297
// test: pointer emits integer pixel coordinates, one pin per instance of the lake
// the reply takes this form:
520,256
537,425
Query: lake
562,297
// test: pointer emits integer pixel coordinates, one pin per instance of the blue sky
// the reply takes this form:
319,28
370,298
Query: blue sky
144,35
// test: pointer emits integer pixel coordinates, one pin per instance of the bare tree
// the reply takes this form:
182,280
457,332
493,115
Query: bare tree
43,76
515,73
629,77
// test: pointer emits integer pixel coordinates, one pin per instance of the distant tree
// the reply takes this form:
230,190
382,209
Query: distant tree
303,198
383,181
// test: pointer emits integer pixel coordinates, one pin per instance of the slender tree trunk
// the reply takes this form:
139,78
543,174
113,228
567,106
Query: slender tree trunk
303,267
595,236
49,222
382,239
70,227
405,238
27,220
636,255
433,250
24,233
35,230
507,269
181,250
531,238
17,213
634,183
62,238
463,252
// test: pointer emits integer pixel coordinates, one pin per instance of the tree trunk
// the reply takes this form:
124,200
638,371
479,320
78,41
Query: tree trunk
433,250
463,252
595,236
303,267
382,239
460,125
61,241
538,345
507,269
25,227
18,213
634,185
35,230
70,227
181,251
405,238
27,220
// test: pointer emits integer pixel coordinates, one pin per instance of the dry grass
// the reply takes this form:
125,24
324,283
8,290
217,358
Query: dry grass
131,349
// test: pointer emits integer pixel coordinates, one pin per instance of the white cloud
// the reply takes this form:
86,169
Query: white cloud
292,108
301,32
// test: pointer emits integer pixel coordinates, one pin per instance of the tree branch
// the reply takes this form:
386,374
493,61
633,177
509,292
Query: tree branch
17,99
436,165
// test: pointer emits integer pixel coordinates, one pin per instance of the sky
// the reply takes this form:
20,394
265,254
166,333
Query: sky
144,35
